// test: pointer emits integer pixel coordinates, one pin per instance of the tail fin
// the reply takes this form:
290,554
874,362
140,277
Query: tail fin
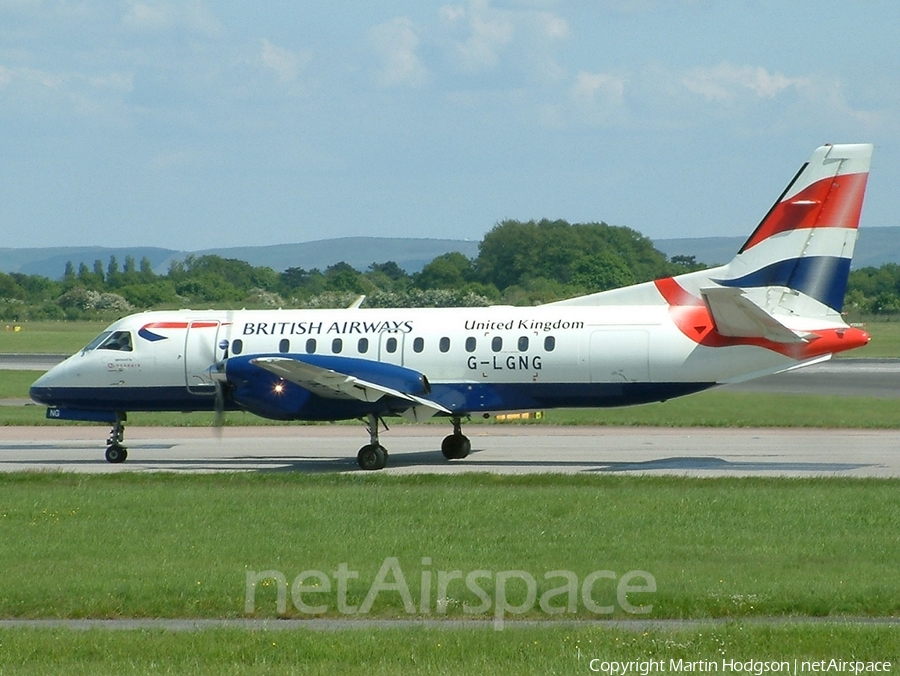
805,242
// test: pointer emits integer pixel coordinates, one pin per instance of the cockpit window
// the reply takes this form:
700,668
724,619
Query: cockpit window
96,341
117,340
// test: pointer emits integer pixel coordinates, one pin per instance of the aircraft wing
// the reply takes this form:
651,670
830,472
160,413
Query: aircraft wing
736,315
333,384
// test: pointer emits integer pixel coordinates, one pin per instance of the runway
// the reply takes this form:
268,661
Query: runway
838,377
501,449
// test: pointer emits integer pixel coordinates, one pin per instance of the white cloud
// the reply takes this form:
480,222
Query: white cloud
593,89
593,99
452,13
43,93
285,63
555,27
24,77
726,82
395,43
486,39
812,96
157,16
490,31
632,7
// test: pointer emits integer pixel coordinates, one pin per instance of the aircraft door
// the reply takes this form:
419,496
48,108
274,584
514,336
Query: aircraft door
391,345
620,356
200,352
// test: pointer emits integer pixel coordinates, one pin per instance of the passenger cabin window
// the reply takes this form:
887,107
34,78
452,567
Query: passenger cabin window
470,344
363,345
549,343
523,344
418,344
284,346
237,346
391,345
337,345
444,345
497,344
310,345
117,340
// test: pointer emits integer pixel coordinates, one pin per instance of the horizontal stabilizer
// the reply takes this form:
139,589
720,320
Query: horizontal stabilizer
737,316
332,384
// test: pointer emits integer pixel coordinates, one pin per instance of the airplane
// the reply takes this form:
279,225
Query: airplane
775,307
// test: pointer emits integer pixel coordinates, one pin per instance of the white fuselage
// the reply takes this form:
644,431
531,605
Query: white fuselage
168,365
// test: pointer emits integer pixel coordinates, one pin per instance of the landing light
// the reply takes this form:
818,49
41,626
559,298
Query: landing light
279,387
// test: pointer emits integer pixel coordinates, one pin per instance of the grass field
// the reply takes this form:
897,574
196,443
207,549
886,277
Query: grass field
426,652
47,337
180,546
128,546
885,341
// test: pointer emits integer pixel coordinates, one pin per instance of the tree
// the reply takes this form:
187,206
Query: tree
99,274
514,253
146,272
343,277
293,278
390,269
451,270
9,288
113,276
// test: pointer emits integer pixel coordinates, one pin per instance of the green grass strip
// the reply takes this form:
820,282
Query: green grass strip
180,546
47,336
427,652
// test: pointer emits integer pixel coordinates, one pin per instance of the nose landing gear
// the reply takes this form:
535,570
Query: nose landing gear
115,451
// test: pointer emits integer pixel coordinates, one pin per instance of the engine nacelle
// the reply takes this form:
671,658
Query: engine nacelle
268,395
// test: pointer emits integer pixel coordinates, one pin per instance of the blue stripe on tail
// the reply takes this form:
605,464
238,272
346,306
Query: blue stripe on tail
821,277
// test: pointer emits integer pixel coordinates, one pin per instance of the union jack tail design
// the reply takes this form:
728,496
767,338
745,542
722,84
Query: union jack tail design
805,242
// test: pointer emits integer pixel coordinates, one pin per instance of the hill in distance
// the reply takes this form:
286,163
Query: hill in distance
360,252
875,247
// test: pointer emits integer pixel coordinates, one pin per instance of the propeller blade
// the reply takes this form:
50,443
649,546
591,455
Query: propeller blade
218,376
219,420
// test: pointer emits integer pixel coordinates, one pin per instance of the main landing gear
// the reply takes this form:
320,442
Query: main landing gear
115,451
373,455
457,445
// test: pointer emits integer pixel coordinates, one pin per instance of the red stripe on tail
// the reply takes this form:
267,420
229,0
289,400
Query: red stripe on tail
834,202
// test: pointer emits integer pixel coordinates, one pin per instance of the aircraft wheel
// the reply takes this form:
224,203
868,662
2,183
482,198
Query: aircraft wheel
372,456
456,446
116,453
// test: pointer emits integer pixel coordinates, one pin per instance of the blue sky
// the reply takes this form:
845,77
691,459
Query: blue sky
194,124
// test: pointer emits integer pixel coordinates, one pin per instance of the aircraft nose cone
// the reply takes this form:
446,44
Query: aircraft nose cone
42,389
